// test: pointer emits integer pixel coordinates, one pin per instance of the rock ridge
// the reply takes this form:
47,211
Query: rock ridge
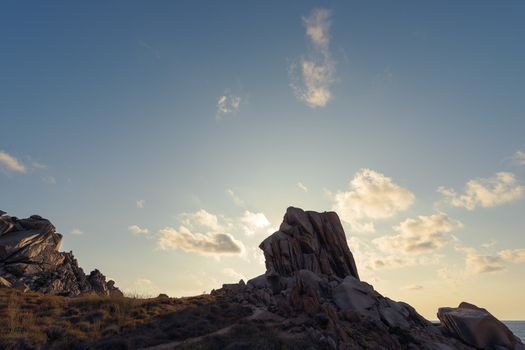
30,259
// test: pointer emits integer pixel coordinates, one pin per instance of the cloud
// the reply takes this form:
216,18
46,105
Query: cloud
228,271
499,189
490,244
10,163
413,287
76,232
138,230
519,157
513,255
372,196
253,222
236,199
206,244
420,235
316,72
49,179
227,104
302,187
140,203
476,263
143,282
202,219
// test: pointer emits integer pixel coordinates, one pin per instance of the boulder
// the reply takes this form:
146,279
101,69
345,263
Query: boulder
477,327
30,257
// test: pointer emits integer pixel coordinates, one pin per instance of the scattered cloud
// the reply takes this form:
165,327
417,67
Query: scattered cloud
10,163
48,179
422,234
77,232
513,255
316,71
519,157
499,189
202,219
138,230
215,244
253,222
236,199
413,287
490,244
372,196
302,187
150,48
140,203
476,263
227,104
228,271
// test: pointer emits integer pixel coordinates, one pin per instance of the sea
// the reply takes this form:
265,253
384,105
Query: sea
518,328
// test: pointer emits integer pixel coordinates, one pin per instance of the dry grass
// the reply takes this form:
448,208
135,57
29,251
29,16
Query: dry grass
37,321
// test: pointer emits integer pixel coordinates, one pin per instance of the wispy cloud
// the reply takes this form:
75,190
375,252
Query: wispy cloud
214,244
476,263
372,196
422,234
253,222
228,104
138,230
48,179
231,273
316,71
150,48
202,219
499,189
519,157
140,203
513,255
413,287
10,163
77,232
235,198
302,186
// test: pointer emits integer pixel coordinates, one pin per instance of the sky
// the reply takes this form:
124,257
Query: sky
166,139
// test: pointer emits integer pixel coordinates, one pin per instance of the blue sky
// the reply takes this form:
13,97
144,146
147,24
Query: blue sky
211,114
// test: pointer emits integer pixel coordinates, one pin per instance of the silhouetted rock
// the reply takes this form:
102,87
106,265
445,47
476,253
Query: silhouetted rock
30,259
477,327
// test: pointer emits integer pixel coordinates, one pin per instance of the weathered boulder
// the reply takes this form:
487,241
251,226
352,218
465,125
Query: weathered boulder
30,257
477,327
309,241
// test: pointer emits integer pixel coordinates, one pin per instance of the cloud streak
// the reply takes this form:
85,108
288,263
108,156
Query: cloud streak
500,189
10,163
312,76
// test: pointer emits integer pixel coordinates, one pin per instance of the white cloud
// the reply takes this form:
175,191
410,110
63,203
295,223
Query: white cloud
216,244
519,157
253,222
513,255
228,271
490,244
318,69
499,189
76,232
372,196
227,104
10,163
140,203
302,186
236,199
138,230
420,235
202,219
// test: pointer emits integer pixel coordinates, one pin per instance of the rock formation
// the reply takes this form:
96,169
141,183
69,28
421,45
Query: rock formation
311,290
30,259
477,327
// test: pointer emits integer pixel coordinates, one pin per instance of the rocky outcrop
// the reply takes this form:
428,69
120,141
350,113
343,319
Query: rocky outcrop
30,259
312,241
477,327
311,290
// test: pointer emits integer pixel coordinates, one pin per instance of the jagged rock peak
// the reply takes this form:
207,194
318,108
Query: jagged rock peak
308,240
30,259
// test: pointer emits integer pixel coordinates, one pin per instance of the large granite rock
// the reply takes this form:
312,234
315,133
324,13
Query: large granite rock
477,327
309,241
30,259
